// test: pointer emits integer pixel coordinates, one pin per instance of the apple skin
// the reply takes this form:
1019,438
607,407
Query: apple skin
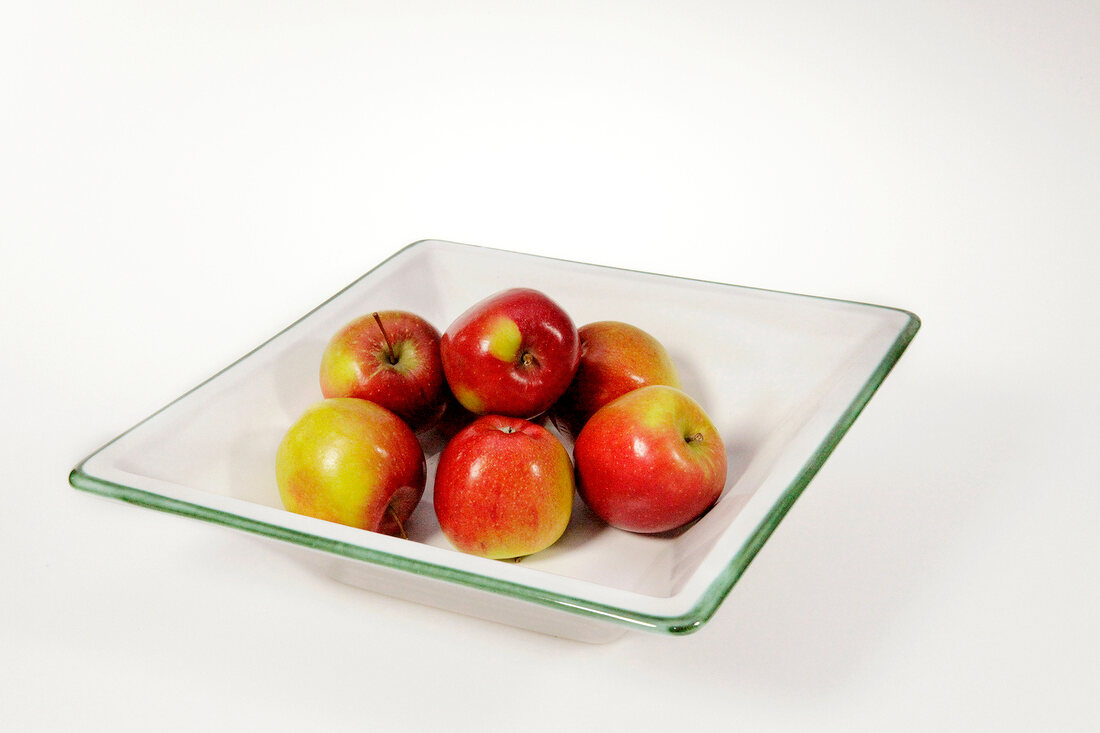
616,358
351,461
357,363
455,417
503,488
650,460
513,353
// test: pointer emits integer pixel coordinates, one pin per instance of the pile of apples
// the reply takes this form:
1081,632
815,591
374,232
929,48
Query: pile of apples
646,458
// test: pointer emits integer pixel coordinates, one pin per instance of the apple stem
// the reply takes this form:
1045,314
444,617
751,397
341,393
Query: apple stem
697,438
400,527
386,338
528,359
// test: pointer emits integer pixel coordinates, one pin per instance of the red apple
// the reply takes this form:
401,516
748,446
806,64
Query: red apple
513,354
616,358
390,358
650,460
455,417
351,461
503,488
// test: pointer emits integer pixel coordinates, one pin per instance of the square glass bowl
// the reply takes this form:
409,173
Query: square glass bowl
782,376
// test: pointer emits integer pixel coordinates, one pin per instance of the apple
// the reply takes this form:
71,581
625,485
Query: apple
503,488
455,417
392,359
650,460
513,353
616,358
351,461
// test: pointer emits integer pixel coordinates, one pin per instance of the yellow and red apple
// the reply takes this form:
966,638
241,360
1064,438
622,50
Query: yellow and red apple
616,358
512,354
650,460
390,358
354,462
503,488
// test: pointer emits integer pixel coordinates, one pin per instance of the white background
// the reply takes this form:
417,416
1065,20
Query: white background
180,180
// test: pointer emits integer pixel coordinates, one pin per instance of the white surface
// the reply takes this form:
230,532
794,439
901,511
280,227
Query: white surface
180,181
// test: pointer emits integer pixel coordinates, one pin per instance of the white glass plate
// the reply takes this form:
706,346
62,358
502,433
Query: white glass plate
782,376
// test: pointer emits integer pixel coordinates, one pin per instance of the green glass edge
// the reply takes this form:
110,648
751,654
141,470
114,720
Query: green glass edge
685,623
723,584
